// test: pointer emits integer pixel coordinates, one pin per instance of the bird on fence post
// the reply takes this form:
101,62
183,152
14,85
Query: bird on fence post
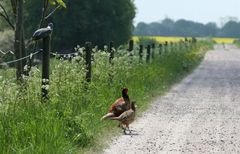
45,35
43,32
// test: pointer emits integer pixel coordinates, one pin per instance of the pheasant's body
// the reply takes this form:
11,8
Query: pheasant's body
119,106
126,117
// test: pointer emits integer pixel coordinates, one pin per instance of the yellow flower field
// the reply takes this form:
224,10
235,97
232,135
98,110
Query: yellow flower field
224,40
161,39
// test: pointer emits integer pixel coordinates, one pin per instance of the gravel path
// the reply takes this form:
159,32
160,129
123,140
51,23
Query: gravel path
199,115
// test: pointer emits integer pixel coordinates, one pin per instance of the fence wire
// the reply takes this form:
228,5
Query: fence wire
64,55
20,59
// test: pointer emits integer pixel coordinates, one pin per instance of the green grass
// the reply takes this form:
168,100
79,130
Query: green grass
237,43
70,121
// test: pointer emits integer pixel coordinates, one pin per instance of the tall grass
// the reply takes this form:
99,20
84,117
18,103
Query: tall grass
71,119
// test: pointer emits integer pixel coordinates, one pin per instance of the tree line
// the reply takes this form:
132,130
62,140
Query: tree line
186,28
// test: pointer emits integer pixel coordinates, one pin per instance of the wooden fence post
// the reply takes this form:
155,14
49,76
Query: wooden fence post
153,50
88,50
111,51
148,53
130,49
45,67
160,49
130,46
45,35
141,52
171,47
166,47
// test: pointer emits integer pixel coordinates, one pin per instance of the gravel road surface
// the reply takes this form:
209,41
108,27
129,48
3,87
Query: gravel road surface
199,115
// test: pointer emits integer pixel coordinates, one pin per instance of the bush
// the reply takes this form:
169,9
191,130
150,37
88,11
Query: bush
6,45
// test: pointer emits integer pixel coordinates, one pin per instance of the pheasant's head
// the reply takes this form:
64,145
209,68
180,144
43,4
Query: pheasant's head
125,90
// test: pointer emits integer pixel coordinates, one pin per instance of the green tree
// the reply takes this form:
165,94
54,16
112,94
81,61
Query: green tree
98,21
231,29
211,29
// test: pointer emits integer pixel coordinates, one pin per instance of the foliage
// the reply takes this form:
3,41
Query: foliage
237,43
6,45
168,27
71,119
97,21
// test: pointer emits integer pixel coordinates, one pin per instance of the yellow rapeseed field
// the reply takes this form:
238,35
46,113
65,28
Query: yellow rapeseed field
162,39
224,40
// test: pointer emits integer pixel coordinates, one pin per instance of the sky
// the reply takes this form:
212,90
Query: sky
196,10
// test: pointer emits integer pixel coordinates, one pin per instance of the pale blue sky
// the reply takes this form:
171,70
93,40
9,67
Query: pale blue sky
196,10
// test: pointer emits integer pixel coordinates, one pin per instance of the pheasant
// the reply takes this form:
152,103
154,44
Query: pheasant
119,106
126,117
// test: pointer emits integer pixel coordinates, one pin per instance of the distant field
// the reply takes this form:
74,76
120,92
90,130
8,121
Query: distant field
224,40
177,39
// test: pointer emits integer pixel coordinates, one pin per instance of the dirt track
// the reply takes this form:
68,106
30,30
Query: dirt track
199,115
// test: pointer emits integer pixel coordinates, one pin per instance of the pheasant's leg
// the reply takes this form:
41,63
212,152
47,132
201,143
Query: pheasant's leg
129,129
124,131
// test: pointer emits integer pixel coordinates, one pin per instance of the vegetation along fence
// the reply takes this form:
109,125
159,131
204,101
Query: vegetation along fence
87,54
83,84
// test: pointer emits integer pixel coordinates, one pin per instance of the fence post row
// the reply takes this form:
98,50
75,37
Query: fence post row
88,50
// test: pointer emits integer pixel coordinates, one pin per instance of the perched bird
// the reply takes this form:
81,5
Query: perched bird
119,106
126,117
43,32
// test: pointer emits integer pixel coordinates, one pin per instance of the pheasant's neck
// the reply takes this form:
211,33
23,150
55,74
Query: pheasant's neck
125,97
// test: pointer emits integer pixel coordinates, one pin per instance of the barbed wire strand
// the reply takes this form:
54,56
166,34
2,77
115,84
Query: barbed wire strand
20,59
62,54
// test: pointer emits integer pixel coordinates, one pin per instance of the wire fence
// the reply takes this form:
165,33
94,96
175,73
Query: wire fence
88,54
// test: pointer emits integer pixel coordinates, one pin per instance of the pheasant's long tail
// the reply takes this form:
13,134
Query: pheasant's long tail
108,116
